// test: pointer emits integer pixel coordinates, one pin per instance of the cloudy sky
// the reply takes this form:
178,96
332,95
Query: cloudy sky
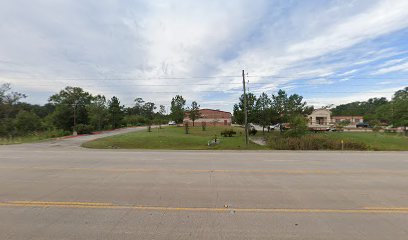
329,51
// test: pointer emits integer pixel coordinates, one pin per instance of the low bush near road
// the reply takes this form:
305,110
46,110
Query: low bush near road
228,132
312,142
83,129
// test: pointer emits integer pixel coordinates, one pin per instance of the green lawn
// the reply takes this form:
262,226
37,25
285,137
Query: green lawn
375,141
174,138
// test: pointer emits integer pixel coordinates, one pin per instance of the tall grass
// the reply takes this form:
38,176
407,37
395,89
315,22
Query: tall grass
312,142
33,137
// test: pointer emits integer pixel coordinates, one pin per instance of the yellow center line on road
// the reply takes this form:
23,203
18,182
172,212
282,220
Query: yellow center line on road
62,203
262,171
387,208
91,205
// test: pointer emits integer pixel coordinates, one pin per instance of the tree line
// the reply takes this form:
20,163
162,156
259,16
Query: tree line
276,108
265,109
379,111
74,109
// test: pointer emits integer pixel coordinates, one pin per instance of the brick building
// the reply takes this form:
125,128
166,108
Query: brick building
352,119
210,117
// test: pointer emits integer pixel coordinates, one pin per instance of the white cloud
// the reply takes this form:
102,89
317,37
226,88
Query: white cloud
320,81
401,67
348,72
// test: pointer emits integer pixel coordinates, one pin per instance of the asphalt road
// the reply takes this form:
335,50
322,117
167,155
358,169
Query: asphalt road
56,190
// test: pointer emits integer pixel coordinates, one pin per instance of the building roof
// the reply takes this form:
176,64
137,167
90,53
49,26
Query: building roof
207,109
215,110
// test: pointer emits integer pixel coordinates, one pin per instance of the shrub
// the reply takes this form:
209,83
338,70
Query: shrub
56,133
186,128
298,126
228,132
377,128
135,120
83,129
253,132
27,122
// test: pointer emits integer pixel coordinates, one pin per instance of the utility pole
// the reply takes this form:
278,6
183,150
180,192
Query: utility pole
75,120
245,109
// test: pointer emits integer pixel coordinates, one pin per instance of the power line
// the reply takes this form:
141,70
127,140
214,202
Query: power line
330,78
122,79
294,77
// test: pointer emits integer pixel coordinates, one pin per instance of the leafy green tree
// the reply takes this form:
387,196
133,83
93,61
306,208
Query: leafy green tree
138,108
116,112
98,113
70,107
383,114
298,126
400,108
177,108
148,110
284,106
295,104
194,112
160,116
363,108
27,122
239,113
263,110
8,100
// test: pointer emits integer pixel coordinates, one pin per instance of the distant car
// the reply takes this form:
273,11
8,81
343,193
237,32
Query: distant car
172,123
332,129
274,127
363,125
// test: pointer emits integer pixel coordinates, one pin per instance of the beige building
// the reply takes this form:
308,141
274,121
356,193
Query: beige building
320,118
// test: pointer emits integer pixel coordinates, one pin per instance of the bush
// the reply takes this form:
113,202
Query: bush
27,122
312,142
253,132
83,129
186,128
228,132
135,120
298,126
56,133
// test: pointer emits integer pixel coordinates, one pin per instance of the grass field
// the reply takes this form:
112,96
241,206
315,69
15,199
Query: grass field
375,141
174,138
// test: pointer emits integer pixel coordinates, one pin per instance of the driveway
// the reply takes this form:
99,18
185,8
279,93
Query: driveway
72,142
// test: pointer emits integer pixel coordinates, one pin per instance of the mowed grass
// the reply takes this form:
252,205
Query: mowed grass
174,138
374,140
